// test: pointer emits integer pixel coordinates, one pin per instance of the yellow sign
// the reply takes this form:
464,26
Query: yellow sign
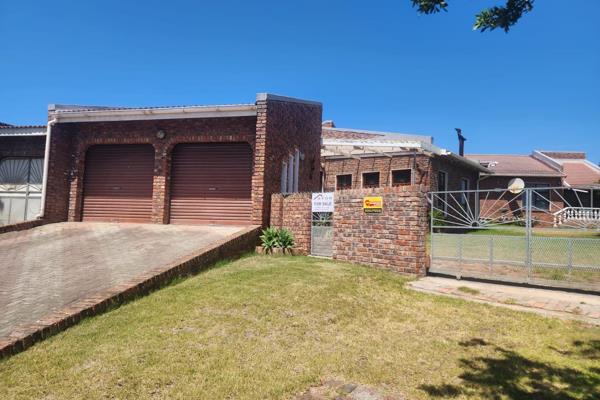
373,204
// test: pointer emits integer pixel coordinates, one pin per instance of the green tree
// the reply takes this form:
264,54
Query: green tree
502,17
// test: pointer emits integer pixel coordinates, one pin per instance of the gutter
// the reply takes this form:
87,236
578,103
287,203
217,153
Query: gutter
46,164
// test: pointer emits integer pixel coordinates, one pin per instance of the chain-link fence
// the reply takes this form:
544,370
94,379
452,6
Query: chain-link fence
543,236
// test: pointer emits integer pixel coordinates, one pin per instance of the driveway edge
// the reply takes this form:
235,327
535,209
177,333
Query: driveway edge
232,246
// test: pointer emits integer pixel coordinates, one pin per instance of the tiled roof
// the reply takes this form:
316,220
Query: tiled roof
23,130
580,173
515,165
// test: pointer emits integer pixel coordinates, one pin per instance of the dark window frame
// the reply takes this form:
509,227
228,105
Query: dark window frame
337,185
409,170
371,173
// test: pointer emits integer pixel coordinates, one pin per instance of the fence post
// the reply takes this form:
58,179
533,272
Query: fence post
491,252
460,258
528,203
570,256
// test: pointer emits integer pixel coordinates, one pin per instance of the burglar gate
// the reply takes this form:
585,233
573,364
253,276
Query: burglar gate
546,236
321,227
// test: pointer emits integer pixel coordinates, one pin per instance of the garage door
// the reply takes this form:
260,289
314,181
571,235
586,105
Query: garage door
117,185
211,183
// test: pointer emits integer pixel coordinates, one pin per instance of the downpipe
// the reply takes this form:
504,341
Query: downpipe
46,164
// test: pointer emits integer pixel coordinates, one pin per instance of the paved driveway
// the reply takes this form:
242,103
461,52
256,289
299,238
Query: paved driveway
46,268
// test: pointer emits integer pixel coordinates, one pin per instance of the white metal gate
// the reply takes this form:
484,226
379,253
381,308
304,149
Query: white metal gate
321,234
544,236
20,189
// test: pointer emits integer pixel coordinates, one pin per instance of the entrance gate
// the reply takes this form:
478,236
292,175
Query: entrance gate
321,226
543,236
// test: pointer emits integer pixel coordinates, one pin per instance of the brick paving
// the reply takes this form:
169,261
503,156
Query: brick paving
562,304
47,268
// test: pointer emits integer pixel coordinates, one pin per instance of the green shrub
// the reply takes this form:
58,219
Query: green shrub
286,239
269,239
273,238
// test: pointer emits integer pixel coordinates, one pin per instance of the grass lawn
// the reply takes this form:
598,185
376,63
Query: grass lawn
269,327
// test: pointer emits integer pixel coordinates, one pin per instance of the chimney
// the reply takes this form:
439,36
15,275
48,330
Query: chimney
328,124
461,142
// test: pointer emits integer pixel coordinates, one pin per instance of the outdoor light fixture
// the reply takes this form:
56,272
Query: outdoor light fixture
161,134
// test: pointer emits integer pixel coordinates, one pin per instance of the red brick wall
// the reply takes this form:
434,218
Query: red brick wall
425,170
279,128
22,146
282,127
293,212
394,239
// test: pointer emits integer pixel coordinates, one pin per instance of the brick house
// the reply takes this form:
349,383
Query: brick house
21,166
353,159
539,170
192,164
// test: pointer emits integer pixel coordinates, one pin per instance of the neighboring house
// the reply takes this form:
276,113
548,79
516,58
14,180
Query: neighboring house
540,170
21,166
354,158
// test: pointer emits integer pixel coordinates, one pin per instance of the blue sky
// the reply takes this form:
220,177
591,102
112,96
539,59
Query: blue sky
374,65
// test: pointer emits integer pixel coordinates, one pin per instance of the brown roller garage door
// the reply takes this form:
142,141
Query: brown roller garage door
117,185
211,183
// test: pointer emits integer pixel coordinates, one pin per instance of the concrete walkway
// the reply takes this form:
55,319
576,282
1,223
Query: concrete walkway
556,303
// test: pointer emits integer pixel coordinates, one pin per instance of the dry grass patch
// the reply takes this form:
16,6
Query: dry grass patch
269,327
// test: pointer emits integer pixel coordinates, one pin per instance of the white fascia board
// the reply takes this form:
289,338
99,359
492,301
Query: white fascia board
592,165
155,113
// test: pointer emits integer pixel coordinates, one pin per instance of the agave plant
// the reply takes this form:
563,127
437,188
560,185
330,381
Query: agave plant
270,239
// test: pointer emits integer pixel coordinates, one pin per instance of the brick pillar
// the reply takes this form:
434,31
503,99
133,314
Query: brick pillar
160,185
258,175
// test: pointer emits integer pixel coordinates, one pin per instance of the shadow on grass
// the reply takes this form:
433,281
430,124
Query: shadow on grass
512,376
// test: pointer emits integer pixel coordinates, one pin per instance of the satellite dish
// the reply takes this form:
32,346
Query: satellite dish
516,185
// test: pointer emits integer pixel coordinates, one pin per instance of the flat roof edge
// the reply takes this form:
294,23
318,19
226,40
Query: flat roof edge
276,97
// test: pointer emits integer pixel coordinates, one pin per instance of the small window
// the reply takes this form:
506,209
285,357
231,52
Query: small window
464,186
442,186
442,181
370,180
343,182
284,173
401,177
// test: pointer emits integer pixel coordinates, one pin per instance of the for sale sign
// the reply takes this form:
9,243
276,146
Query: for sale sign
322,202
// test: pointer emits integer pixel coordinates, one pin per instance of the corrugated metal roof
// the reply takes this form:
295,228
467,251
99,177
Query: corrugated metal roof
65,108
23,130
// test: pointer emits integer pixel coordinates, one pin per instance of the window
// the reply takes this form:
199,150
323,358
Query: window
343,182
541,197
442,186
290,171
401,177
370,180
464,197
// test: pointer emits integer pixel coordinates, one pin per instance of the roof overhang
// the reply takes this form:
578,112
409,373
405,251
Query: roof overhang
363,148
140,114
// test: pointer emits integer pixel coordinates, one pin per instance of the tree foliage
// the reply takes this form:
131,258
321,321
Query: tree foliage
502,17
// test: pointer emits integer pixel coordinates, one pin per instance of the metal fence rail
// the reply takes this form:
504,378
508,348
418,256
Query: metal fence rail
514,237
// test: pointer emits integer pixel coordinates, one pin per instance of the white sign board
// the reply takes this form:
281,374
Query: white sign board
322,202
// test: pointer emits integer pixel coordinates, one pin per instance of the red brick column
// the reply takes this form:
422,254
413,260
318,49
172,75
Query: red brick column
293,212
